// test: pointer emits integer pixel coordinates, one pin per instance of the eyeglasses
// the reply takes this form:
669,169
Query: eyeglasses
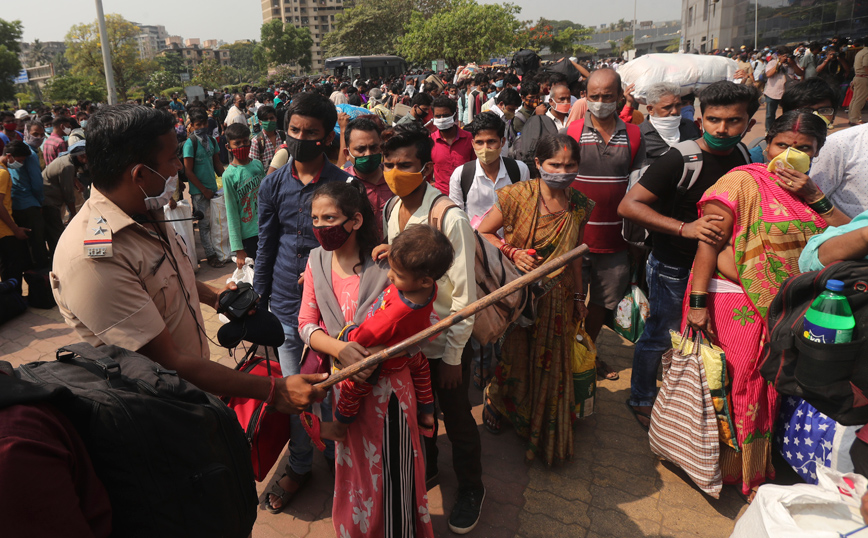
827,111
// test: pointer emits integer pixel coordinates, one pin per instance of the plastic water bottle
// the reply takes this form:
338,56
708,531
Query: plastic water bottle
829,320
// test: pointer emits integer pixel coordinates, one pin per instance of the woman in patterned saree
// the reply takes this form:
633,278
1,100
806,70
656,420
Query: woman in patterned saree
379,466
767,220
532,385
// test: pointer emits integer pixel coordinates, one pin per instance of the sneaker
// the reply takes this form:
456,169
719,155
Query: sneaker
465,513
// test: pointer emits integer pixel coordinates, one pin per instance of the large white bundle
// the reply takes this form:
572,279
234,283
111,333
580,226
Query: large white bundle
691,72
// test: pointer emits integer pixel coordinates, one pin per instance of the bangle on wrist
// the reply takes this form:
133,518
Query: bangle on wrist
698,300
271,391
579,296
680,230
823,206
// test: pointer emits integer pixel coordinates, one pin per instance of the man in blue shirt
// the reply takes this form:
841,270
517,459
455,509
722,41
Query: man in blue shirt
27,197
285,241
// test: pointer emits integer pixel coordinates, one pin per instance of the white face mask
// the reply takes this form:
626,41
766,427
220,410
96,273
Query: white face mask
668,128
156,202
444,124
601,110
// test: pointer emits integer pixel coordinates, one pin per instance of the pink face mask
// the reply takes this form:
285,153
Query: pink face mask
563,108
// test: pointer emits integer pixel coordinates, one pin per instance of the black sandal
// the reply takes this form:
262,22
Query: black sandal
285,496
637,414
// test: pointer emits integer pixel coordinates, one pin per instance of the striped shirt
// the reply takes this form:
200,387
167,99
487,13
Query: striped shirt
604,173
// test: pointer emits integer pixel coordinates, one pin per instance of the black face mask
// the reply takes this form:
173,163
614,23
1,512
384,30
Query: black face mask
304,150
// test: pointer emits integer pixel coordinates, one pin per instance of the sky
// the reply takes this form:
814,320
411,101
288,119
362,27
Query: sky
225,20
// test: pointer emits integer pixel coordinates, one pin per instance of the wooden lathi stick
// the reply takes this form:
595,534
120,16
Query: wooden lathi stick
464,313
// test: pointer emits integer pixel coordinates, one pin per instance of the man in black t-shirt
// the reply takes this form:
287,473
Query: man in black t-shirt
675,228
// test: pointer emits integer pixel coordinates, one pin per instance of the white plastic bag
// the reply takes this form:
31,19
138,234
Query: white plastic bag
184,228
245,274
826,510
220,229
691,72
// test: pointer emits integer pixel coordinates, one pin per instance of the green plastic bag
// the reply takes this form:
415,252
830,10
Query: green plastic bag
628,319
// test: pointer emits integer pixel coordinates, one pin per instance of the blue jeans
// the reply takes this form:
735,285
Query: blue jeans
771,111
300,447
204,205
666,288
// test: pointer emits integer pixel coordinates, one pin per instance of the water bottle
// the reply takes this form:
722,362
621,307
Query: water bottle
829,320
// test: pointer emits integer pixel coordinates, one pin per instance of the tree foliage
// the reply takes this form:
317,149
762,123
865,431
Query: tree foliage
569,41
248,59
210,74
286,44
72,88
461,32
172,63
10,66
37,55
84,53
369,27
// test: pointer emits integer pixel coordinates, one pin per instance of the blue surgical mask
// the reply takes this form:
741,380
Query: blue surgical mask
83,124
498,84
48,130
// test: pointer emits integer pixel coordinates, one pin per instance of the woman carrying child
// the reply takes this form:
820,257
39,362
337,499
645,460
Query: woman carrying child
380,464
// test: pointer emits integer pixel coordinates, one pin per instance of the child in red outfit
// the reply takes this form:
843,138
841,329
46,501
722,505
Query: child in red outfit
418,258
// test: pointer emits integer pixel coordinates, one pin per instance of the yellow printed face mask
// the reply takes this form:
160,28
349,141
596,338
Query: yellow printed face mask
793,159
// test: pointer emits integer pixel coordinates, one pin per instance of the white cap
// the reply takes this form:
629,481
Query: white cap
21,114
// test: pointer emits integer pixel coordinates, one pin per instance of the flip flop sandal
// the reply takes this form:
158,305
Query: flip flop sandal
285,496
311,425
606,372
491,418
637,414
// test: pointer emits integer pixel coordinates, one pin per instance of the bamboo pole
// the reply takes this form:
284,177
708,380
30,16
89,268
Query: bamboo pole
464,313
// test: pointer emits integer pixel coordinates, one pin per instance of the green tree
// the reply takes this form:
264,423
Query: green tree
159,81
614,46
37,55
10,66
627,44
248,59
673,45
71,88
286,44
60,63
84,53
463,31
172,63
369,27
535,37
210,74
569,41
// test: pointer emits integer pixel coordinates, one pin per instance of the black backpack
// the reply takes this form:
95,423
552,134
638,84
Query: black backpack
173,458
525,61
525,145
468,170
831,377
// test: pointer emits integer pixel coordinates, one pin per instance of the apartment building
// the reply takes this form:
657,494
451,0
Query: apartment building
151,41
316,15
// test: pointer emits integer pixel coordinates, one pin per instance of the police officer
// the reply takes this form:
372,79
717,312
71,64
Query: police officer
122,278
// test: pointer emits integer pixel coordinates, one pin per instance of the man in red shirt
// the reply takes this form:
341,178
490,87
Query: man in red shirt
54,145
453,146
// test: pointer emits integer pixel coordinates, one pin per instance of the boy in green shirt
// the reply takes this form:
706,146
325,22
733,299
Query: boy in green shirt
201,164
241,188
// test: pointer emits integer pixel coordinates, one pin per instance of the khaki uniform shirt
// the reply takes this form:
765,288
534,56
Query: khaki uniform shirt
128,298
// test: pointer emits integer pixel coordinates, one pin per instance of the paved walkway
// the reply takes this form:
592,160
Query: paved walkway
614,487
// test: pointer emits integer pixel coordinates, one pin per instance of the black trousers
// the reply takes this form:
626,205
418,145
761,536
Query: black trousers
53,227
251,244
32,218
14,258
461,428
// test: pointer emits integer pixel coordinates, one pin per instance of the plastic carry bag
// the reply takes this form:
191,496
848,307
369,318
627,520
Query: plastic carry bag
683,423
184,228
691,72
628,319
829,509
220,229
714,362
584,365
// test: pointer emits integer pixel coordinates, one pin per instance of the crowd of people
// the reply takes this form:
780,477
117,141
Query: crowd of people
357,201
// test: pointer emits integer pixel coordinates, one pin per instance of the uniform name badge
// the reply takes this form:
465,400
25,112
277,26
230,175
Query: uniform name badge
97,237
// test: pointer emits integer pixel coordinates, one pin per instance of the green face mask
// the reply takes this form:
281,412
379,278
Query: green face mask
367,163
721,144
269,125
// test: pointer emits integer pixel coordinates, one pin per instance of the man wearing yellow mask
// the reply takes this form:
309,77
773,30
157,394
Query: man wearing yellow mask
408,167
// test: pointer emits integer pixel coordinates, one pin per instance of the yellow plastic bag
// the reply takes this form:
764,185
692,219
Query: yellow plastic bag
714,362
584,366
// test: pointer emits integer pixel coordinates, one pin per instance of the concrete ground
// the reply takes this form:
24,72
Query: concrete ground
614,486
